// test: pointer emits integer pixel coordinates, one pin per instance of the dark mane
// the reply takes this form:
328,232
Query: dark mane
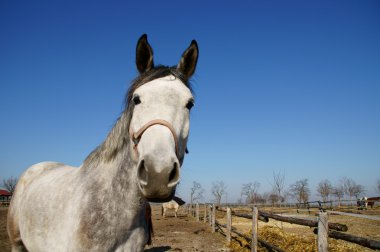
118,137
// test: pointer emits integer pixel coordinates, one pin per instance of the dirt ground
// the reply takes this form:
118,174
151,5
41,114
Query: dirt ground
4,241
183,234
170,234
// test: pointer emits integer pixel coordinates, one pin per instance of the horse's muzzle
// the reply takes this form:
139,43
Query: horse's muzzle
158,182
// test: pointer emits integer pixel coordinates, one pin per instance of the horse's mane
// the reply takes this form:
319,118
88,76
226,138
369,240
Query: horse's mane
118,137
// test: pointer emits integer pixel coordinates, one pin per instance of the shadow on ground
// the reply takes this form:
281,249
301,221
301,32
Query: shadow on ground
158,249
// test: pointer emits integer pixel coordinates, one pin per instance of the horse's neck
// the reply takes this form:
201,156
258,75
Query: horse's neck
113,198
109,172
110,165
117,178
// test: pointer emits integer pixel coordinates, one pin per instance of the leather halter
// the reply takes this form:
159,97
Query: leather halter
136,137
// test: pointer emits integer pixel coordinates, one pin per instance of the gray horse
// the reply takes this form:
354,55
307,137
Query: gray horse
101,206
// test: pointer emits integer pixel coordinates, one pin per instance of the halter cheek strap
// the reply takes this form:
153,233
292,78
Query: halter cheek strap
136,137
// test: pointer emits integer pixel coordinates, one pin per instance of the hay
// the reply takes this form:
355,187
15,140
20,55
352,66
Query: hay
291,242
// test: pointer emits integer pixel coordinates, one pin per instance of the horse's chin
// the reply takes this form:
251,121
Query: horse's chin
160,199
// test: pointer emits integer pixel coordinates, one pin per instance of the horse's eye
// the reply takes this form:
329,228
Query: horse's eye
190,104
136,100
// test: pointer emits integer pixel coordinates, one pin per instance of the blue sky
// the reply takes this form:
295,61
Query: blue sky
290,86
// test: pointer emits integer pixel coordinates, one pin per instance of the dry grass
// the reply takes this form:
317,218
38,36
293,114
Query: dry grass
293,242
292,237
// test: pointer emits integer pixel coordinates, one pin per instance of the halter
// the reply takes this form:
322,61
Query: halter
136,137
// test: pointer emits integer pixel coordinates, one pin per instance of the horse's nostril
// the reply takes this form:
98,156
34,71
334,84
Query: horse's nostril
174,175
142,174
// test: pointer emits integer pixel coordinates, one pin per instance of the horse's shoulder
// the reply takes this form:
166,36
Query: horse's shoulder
31,175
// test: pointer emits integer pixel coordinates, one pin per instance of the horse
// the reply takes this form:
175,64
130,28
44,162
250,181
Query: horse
362,203
175,203
101,206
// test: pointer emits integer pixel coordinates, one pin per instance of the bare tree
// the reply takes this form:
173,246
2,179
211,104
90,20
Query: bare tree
250,191
300,190
218,189
349,186
279,185
10,184
273,198
196,192
324,189
285,195
378,185
266,196
260,199
338,192
358,190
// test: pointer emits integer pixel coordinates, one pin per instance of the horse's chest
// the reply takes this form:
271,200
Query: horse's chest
110,230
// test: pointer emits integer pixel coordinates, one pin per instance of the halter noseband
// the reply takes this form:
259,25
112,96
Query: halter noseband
136,137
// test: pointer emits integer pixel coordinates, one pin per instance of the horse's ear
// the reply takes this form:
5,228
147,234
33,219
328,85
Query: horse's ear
144,54
189,60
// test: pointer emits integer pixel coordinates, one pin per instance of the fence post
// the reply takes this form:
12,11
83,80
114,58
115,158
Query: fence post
229,225
205,214
323,232
197,212
255,216
213,218
210,214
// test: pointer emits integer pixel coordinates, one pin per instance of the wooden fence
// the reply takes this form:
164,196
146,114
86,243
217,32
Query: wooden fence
319,205
322,227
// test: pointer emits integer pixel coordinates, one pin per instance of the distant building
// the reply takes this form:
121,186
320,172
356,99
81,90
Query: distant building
5,197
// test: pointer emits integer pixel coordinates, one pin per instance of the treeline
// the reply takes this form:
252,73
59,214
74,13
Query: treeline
299,191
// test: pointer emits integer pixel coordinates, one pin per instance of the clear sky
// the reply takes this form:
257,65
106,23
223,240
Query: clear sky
281,86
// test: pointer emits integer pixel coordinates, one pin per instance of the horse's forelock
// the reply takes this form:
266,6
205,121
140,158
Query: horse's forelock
155,73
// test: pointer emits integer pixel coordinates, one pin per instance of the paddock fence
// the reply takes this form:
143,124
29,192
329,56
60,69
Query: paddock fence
322,227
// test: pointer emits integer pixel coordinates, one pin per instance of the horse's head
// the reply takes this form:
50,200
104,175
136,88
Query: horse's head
159,126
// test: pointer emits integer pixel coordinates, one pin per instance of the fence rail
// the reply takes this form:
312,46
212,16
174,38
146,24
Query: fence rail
323,228
341,204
